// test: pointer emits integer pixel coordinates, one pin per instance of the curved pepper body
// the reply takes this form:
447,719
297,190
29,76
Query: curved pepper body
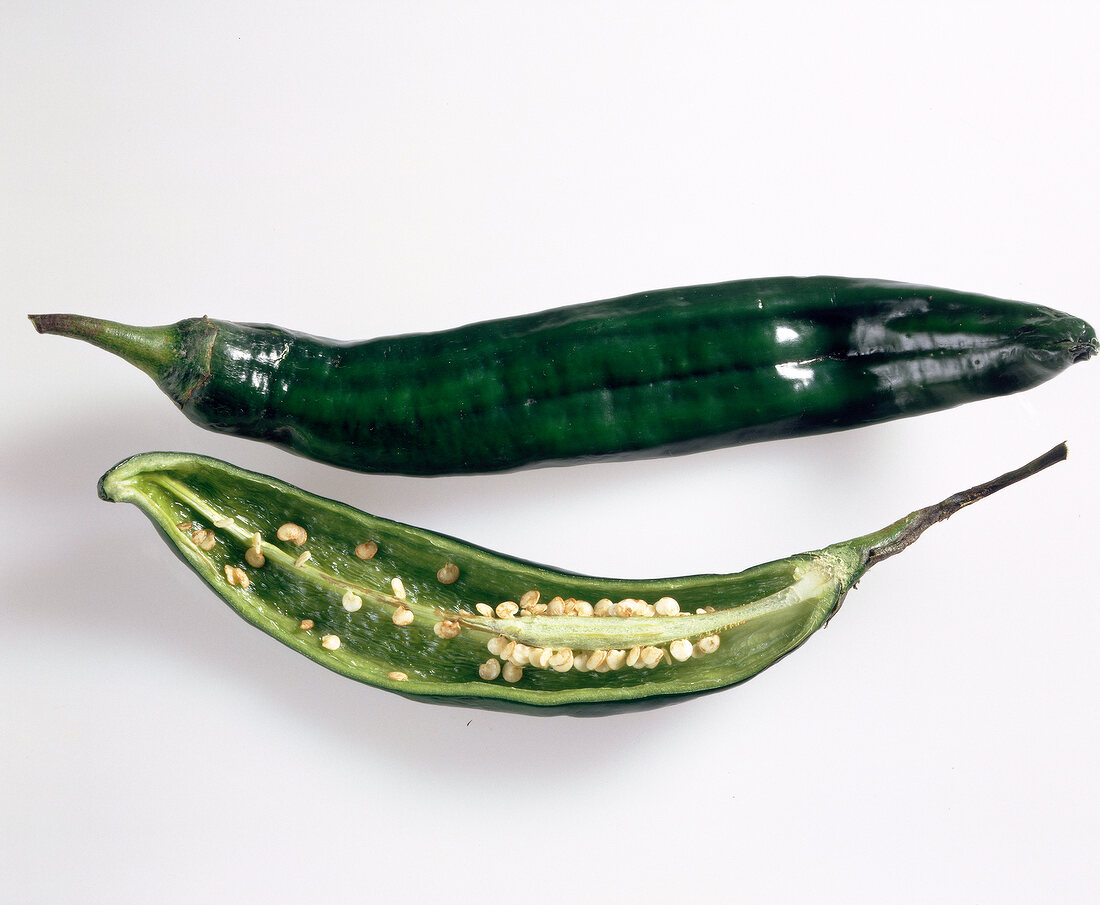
673,371
435,619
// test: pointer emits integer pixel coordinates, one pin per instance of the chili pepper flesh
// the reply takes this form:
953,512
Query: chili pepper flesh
577,644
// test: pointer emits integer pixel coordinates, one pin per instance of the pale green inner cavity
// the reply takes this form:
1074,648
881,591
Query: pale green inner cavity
555,632
754,632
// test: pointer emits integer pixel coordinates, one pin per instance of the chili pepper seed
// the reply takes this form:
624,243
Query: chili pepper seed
616,659
236,576
561,660
707,645
666,606
204,539
447,629
296,534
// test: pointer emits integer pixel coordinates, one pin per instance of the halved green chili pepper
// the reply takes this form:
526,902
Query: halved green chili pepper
435,619
674,371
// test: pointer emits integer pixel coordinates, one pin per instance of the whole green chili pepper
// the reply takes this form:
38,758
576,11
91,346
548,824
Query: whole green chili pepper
435,619
673,371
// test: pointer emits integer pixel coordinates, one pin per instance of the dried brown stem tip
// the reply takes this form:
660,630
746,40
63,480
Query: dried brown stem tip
923,519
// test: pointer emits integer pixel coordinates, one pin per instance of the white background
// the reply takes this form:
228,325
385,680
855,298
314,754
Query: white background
362,169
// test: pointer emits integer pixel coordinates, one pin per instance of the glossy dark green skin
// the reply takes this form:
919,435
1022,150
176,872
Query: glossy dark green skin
674,371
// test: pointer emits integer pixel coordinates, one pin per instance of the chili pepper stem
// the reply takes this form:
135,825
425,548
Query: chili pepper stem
176,356
150,348
892,540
